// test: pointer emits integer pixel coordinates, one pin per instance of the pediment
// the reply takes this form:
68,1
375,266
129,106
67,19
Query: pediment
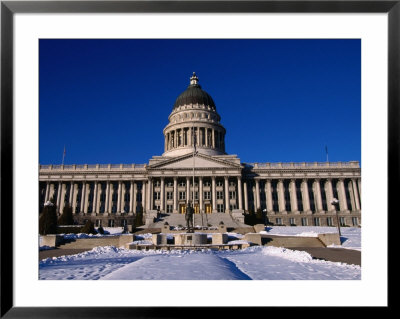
199,161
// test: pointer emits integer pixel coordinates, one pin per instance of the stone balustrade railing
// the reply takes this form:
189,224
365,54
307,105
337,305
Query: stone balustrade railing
352,164
93,167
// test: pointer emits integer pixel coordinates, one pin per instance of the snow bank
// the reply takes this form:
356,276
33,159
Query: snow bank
292,255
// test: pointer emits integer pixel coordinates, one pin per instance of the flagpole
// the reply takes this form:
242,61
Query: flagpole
326,149
63,156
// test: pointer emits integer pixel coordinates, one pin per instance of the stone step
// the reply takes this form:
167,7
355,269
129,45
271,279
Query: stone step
199,220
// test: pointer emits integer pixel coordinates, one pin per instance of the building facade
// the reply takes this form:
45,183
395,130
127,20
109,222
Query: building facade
195,168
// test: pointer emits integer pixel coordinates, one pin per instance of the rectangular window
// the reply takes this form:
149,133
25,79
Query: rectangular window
232,195
304,222
207,195
182,195
316,221
181,184
220,183
329,221
169,208
232,207
220,195
291,221
279,221
196,195
342,221
98,222
355,221
207,184
124,222
169,195
220,208
156,195
111,223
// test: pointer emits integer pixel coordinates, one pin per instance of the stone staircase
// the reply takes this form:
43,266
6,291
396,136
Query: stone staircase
199,220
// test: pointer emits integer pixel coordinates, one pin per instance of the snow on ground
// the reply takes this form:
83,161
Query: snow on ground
253,263
350,239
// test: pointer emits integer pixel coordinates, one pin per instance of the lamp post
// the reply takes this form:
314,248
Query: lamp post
335,203
265,216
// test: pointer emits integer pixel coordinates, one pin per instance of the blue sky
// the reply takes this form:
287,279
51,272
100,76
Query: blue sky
108,101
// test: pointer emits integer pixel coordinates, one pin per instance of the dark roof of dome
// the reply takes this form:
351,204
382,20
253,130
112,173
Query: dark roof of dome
194,95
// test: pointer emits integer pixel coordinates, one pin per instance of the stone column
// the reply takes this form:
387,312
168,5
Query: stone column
95,196
119,197
144,195
162,195
74,197
51,191
110,198
351,192
240,201
189,136
47,196
71,193
214,195
201,194
188,197
106,204
258,204
83,197
317,196
226,195
359,189
342,195
268,195
175,195
246,198
305,196
212,138
356,198
150,198
58,197
329,195
98,194
281,196
293,196
206,136
62,199
134,197
87,188
131,197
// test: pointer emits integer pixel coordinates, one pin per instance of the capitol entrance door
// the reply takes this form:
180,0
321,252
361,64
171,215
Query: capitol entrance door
208,209
182,208
196,208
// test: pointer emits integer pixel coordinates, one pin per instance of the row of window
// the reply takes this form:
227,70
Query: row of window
182,195
220,208
317,221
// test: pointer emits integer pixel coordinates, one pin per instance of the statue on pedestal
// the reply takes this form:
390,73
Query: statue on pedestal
189,218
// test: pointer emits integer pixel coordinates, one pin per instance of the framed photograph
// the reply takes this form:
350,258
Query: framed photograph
163,39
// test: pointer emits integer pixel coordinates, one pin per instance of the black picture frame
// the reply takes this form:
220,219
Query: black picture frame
9,8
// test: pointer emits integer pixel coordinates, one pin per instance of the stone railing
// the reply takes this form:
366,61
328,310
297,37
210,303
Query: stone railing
93,167
351,164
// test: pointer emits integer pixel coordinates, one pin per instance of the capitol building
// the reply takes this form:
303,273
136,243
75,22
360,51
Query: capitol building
195,168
